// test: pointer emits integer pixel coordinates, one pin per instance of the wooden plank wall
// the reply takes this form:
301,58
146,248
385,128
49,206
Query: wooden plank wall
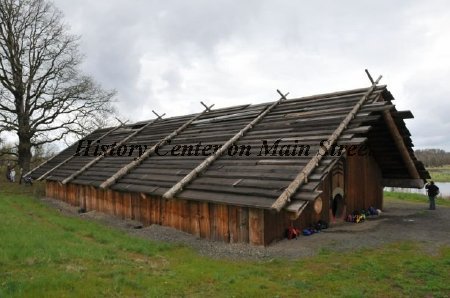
276,223
218,222
363,183
326,188
224,222
206,220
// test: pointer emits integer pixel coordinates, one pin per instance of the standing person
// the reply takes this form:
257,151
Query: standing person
13,175
432,191
8,172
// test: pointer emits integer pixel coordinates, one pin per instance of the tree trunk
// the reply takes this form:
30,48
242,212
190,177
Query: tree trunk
23,132
24,153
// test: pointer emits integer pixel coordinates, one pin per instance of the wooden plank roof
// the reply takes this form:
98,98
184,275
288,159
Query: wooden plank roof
256,179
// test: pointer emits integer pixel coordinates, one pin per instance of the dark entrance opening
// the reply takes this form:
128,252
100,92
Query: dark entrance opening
337,205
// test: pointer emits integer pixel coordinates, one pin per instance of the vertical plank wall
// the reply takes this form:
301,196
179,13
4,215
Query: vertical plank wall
363,183
363,188
206,220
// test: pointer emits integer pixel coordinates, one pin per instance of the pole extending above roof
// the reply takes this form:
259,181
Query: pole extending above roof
201,167
398,140
126,169
370,77
207,109
302,177
158,117
98,158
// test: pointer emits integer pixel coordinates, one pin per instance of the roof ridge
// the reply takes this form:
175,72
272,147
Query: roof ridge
327,94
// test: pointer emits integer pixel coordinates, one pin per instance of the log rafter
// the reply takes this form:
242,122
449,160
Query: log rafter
302,177
202,166
401,146
98,158
127,168
46,174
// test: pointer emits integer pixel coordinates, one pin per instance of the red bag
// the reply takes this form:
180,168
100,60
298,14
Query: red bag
292,233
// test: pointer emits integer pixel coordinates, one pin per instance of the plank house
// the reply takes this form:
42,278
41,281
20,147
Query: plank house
236,185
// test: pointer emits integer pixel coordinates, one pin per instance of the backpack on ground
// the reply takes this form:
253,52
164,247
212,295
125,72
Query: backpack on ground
292,232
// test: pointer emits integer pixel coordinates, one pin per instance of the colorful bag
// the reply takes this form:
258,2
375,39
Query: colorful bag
308,232
292,232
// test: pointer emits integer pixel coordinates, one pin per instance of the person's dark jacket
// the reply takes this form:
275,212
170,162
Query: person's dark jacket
432,189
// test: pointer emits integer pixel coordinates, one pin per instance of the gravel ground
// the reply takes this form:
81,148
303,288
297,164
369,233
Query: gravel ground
400,221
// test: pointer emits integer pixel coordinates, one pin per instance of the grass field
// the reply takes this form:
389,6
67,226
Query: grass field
440,174
43,253
414,197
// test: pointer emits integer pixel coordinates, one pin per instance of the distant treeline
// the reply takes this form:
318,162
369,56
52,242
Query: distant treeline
433,157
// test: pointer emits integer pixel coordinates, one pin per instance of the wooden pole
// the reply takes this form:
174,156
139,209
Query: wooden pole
159,117
43,176
126,169
201,167
39,166
98,158
400,144
302,177
370,77
208,109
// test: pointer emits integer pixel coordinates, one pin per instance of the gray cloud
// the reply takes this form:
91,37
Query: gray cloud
169,55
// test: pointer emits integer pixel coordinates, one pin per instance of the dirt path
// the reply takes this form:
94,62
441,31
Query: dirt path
400,221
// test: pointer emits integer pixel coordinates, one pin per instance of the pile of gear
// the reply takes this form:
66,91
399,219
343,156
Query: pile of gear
293,232
319,226
360,216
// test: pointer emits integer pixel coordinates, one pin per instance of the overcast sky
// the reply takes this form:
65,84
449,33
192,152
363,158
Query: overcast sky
169,55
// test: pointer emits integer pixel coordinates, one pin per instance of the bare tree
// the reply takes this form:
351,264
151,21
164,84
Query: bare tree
43,95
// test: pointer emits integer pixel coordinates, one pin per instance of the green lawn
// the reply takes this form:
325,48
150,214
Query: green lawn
414,197
43,253
440,174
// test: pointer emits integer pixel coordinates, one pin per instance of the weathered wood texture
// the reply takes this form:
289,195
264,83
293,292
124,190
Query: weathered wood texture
359,176
363,183
302,177
326,188
255,178
217,222
224,148
360,179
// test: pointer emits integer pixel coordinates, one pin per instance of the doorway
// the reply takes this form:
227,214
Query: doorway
337,206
